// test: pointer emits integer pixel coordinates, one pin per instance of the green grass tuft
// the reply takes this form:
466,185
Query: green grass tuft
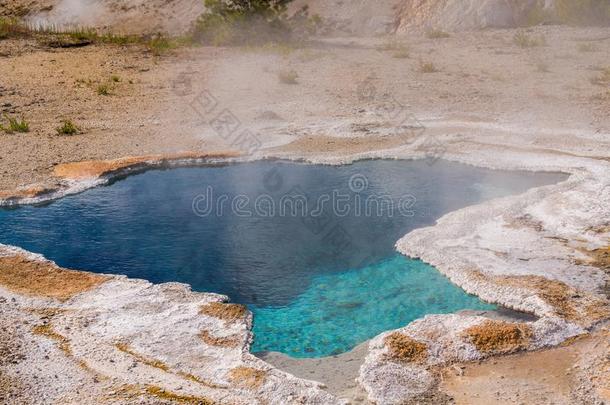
67,128
161,45
103,90
15,125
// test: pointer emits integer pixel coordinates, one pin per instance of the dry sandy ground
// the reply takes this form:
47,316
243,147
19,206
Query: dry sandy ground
549,376
342,89
351,95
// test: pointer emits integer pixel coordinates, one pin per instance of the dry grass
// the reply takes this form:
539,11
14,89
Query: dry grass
399,49
226,341
161,45
403,348
587,48
57,37
226,312
391,45
499,337
437,34
25,276
288,76
603,78
103,89
427,67
402,52
524,40
248,377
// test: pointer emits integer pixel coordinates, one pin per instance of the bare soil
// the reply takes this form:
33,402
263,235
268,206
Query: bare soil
548,376
343,91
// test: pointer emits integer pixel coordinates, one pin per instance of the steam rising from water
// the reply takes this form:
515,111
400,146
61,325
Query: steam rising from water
69,13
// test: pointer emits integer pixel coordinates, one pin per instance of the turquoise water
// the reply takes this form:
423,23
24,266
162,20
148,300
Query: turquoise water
341,310
319,281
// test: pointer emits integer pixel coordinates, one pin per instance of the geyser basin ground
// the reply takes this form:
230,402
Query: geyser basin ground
310,249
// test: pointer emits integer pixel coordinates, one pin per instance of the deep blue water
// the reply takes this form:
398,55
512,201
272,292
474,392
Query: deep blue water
320,274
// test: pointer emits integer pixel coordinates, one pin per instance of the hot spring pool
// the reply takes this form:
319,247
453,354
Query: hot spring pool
309,248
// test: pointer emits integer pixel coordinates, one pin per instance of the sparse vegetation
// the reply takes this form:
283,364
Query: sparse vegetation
160,45
11,28
242,22
115,39
401,52
288,76
573,12
67,127
427,67
279,48
15,125
392,45
115,78
586,48
437,34
103,89
578,12
307,55
62,37
524,40
5,28
603,78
